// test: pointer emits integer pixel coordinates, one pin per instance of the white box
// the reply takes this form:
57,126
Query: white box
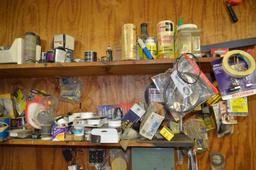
64,40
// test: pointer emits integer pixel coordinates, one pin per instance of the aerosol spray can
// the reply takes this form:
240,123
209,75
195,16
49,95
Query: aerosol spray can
165,39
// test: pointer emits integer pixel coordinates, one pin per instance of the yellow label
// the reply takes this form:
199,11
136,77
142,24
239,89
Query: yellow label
239,105
166,133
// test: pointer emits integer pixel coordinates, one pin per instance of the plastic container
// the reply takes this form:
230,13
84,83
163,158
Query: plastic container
30,41
129,42
165,39
188,39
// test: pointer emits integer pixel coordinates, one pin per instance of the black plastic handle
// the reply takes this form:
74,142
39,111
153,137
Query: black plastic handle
231,12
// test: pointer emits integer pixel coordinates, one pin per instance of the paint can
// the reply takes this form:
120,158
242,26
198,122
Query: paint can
129,42
90,56
151,46
165,39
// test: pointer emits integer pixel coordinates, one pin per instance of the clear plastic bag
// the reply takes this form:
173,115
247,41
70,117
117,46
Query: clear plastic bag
184,86
70,89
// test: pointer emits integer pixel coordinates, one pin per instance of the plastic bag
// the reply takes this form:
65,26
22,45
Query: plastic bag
70,89
184,86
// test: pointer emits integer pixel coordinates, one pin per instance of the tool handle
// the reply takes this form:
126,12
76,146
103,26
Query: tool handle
231,12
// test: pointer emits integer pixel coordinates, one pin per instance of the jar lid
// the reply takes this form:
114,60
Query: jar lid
30,33
187,27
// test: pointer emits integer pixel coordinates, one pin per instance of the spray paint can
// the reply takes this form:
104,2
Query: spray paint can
165,38
129,42
151,46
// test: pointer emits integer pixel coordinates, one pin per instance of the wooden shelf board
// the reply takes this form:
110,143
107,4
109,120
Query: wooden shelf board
176,142
90,68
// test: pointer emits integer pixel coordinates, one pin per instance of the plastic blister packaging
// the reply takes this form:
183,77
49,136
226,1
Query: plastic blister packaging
70,89
184,86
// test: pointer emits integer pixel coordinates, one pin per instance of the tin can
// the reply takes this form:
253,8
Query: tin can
60,54
90,56
165,38
151,46
128,42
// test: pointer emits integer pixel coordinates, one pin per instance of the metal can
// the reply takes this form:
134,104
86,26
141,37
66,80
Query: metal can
60,54
151,46
129,42
165,39
90,56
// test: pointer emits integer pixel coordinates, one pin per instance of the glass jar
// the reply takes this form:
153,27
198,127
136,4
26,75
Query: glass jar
188,39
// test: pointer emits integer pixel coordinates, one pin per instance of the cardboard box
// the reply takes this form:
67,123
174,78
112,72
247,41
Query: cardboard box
64,40
150,125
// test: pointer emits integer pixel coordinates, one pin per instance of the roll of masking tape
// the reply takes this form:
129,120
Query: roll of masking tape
230,70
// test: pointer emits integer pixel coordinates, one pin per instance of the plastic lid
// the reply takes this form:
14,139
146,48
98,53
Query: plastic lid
180,22
187,27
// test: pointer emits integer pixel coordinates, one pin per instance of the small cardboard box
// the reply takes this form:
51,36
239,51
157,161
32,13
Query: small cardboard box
132,116
64,40
150,124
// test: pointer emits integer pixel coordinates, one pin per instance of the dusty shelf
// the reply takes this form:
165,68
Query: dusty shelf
179,141
92,68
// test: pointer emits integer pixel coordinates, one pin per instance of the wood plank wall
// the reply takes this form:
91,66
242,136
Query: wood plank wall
96,24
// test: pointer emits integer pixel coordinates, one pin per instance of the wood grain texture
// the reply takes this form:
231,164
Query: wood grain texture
96,24
93,68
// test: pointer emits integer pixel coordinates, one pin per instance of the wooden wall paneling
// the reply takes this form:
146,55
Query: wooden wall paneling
96,24
96,90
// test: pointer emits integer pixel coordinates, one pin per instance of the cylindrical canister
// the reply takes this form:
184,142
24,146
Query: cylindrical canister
151,46
60,54
90,56
30,41
165,39
129,42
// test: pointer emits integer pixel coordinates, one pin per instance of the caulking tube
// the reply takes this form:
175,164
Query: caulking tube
145,49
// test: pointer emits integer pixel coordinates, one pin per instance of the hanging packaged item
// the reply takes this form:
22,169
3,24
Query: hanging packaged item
222,129
195,129
165,39
188,39
185,86
235,74
129,42
6,106
70,89
238,106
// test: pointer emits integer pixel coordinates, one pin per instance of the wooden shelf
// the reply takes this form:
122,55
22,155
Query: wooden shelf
91,68
179,141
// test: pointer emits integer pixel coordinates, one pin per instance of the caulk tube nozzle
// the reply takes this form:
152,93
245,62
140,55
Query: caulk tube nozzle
145,49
